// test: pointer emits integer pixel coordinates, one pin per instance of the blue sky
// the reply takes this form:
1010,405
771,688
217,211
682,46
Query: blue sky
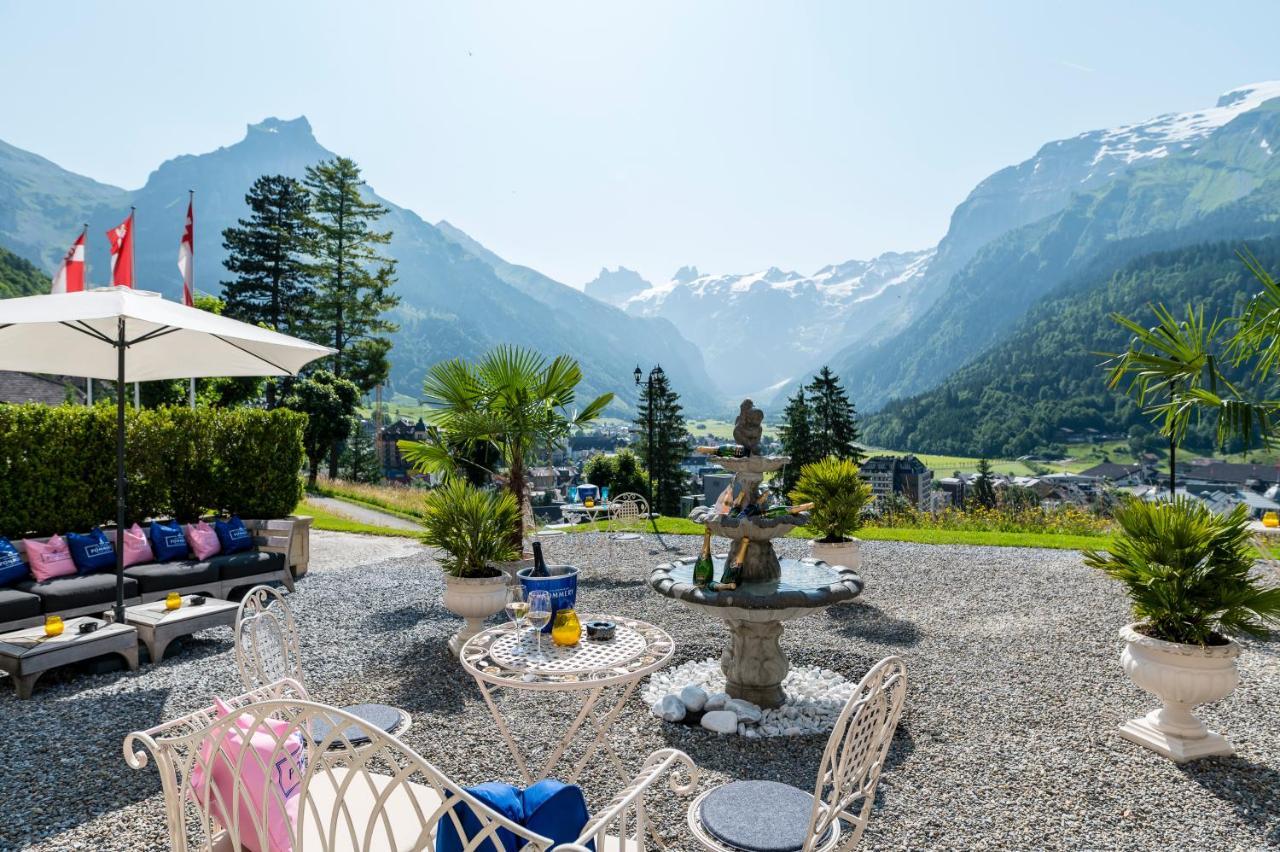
568,136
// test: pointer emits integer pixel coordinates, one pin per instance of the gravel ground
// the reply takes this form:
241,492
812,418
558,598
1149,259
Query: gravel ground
1008,741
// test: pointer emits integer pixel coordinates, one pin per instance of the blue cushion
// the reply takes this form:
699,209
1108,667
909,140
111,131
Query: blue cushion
233,536
167,541
550,808
92,552
758,816
12,568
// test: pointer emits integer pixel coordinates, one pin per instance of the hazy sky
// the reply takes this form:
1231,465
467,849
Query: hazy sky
569,136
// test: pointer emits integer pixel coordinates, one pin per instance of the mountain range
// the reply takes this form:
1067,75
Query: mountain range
457,297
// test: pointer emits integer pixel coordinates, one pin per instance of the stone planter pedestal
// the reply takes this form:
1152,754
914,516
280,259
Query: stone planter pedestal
844,553
475,599
1181,676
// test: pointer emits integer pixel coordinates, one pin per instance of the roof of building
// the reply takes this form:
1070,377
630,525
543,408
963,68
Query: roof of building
1111,470
29,387
1231,472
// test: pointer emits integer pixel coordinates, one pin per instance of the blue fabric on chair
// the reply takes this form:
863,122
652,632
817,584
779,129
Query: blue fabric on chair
758,816
233,536
167,541
550,808
12,568
92,552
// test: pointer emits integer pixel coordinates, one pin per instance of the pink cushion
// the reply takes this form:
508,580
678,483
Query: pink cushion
202,539
270,772
49,559
137,547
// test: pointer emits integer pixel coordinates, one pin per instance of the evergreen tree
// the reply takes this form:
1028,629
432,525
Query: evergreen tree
352,277
984,491
329,402
360,462
835,424
797,439
670,442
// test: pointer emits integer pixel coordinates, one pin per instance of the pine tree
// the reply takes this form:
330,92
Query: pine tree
984,491
352,278
835,424
797,439
267,255
670,442
360,461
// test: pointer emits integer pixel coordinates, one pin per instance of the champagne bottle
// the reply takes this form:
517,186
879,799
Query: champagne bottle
735,508
539,564
756,506
733,568
704,570
781,511
725,451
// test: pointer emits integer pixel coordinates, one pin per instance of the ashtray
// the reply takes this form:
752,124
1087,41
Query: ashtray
600,630
195,600
88,626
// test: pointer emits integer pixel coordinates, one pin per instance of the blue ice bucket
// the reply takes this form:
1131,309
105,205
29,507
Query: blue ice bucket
562,585
587,491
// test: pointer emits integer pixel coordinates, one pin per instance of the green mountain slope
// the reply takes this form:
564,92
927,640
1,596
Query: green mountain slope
1044,376
19,277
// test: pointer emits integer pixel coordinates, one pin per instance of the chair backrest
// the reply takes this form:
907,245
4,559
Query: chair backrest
267,646
855,753
289,788
627,507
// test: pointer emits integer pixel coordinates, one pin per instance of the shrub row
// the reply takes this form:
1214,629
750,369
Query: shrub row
58,465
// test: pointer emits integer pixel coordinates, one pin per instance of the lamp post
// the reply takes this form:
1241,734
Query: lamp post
656,372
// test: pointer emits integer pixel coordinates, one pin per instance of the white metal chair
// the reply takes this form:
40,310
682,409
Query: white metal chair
624,511
747,815
267,650
380,796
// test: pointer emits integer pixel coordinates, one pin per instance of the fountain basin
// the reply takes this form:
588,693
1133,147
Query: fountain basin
754,664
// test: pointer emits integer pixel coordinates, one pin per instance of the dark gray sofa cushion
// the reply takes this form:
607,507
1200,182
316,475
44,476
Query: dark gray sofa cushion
163,576
235,566
63,593
16,605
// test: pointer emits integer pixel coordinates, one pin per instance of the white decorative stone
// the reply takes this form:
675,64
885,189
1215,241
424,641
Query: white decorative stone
744,710
720,721
694,697
669,709
716,701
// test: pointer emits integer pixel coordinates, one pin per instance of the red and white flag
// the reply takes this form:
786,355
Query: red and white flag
70,275
121,237
187,257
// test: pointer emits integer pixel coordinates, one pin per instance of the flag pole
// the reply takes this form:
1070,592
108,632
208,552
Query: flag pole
133,282
191,200
88,382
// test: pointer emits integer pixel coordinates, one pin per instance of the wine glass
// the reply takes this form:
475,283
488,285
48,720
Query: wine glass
573,494
538,615
517,607
604,494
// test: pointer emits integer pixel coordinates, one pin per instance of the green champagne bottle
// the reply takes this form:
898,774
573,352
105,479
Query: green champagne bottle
780,511
727,451
733,568
704,570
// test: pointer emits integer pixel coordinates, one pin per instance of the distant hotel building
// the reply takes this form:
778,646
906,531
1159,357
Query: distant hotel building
905,476
404,429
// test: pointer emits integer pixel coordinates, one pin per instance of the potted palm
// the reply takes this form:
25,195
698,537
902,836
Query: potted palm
472,527
1188,575
838,496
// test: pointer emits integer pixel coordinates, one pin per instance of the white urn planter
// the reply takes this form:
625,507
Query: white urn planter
1181,676
847,553
475,599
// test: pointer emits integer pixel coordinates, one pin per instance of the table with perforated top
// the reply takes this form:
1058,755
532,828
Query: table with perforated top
601,675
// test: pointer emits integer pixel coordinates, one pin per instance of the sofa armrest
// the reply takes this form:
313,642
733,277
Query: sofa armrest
627,808
271,536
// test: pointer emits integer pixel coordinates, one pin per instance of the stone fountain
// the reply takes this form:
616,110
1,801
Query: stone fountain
771,591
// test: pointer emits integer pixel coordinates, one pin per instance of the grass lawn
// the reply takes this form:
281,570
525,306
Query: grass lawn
682,526
326,520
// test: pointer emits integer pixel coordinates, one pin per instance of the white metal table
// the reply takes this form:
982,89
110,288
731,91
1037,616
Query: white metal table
502,658
573,512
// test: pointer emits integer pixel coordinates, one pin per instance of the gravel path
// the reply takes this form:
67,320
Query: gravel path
1008,741
363,514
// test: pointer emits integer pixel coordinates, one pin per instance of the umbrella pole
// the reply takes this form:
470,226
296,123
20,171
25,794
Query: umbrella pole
120,391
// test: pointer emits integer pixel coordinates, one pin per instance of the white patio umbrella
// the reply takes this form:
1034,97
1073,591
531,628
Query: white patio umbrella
128,335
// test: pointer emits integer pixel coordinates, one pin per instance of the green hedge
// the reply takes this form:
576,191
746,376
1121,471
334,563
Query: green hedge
57,465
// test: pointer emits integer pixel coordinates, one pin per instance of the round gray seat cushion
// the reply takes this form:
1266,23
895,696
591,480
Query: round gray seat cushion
757,816
380,716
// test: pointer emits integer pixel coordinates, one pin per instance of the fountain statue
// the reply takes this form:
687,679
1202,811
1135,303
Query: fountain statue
768,591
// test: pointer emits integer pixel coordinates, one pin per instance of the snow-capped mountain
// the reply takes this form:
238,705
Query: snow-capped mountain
762,329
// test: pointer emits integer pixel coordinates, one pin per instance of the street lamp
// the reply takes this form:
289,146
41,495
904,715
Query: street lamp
655,373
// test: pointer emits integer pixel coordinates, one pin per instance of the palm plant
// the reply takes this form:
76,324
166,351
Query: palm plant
1187,572
838,495
472,526
513,400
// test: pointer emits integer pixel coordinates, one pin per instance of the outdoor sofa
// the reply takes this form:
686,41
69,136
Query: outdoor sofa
26,603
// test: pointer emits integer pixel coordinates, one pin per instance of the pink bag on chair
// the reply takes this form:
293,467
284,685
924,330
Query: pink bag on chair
202,539
50,559
270,777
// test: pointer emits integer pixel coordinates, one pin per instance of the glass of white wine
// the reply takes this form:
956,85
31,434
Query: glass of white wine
539,614
517,607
